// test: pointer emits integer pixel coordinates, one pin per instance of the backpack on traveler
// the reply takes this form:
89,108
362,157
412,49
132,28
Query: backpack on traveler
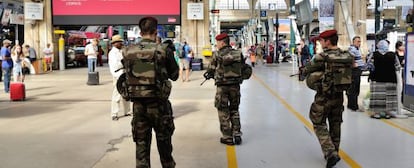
232,67
182,52
144,76
335,75
338,70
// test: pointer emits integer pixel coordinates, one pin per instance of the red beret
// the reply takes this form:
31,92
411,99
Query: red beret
221,36
328,33
314,39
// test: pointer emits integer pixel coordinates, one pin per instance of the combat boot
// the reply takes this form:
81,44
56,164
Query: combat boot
332,160
227,141
237,140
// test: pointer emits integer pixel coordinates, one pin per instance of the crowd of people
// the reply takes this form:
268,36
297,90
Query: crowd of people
16,62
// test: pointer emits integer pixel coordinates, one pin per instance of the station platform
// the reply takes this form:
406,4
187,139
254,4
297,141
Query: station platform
67,124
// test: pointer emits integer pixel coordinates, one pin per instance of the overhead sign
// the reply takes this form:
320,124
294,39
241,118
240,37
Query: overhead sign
195,11
215,11
114,12
272,6
59,31
6,16
17,19
263,13
304,13
33,11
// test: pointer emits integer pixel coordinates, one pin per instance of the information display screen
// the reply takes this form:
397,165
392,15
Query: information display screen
409,72
114,12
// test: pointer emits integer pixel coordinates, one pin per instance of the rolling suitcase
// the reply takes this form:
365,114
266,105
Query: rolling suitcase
17,91
197,64
93,78
269,59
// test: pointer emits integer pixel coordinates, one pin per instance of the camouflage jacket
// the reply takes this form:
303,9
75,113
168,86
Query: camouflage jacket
220,60
317,78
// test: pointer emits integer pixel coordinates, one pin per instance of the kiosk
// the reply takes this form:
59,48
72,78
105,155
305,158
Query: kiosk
408,91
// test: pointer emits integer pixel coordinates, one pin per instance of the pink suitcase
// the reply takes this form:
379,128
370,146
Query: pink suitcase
17,91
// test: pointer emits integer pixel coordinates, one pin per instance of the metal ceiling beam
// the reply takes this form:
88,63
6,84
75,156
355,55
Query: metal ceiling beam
13,1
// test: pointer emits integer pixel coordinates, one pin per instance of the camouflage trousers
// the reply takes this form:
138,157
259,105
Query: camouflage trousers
227,102
327,107
157,115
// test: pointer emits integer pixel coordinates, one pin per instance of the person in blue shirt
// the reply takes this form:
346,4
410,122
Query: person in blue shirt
185,59
359,65
7,64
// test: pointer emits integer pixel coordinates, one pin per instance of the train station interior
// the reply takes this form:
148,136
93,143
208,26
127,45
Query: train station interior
65,122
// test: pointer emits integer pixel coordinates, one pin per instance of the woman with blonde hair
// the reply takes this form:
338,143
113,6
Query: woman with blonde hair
18,63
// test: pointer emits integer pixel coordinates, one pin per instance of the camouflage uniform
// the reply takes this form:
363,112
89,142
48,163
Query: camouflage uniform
328,104
155,113
227,97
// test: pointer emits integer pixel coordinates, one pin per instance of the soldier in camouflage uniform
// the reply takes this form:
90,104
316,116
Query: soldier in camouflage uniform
227,97
154,113
328,103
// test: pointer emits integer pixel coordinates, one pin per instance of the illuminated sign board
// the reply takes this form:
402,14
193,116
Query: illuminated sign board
114,12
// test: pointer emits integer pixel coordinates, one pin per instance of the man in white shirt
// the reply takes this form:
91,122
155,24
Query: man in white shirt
91,51
48,52
116,68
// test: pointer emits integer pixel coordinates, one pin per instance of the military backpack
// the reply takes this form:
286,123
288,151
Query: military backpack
338,70
232,68
143,73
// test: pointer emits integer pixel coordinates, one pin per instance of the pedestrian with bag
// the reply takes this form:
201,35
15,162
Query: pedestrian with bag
323,77
185,59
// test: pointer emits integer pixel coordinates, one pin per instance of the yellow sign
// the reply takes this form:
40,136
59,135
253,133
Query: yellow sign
59,31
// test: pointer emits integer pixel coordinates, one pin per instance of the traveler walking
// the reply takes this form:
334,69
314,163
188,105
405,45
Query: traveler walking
328,103
185,59
7,64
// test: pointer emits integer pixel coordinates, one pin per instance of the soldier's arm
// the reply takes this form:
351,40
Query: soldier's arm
316,64
213,64
172,66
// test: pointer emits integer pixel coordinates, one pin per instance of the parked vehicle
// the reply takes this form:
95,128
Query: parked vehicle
75,56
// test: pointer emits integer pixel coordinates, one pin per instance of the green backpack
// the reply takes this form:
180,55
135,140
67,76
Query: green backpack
234,66
338,71
143,73
231,64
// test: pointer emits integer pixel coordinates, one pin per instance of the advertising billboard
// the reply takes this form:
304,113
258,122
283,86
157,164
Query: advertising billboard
114,12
